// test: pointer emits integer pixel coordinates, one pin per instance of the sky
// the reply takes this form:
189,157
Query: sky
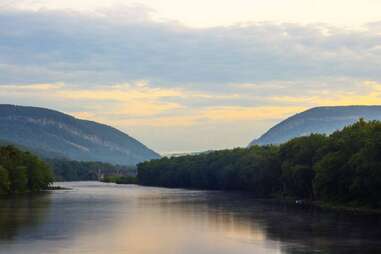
184,76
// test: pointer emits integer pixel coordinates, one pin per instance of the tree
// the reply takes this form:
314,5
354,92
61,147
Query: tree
4,181
343,168
18,179
298,157
22,172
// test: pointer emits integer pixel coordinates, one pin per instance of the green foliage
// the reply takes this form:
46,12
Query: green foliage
22,172
343,168
120,179
69,170
255,169
4,181
19,179
350,171
298,157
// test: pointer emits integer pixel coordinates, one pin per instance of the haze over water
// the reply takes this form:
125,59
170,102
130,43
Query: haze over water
106,218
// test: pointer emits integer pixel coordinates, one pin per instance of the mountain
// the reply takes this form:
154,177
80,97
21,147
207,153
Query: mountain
53,134
323,120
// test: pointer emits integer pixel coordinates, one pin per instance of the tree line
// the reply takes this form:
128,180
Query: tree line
119,179
69,170
22,172
342,168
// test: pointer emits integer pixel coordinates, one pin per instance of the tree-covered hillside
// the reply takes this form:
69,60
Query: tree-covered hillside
343,168
52,134
22,172
322,120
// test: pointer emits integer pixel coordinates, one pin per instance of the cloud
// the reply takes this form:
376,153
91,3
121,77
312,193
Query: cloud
361,93
137,100
170,119
168,84
125,44
259,113
139,103
31,87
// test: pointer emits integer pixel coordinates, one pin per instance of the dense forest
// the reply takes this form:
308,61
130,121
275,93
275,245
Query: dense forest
22,172
69,170
341,169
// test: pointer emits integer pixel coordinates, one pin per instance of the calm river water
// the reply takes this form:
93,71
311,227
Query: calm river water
98,218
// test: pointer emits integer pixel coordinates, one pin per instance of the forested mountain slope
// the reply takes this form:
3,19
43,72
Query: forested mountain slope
322,120
53,134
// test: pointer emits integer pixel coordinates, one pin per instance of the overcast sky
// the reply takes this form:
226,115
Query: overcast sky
190,75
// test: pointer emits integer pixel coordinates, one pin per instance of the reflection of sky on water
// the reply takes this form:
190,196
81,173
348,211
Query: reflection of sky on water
100,218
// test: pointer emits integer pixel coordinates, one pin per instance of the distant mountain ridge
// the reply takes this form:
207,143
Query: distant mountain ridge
57,135
324,120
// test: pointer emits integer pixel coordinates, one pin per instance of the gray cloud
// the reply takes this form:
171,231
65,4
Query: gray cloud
124,44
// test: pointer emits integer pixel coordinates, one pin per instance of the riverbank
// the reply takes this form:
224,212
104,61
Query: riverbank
346,209
325,206
342,168
27,193
292,201
120,179
52,188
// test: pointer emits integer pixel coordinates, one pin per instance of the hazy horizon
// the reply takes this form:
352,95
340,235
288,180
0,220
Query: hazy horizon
181,82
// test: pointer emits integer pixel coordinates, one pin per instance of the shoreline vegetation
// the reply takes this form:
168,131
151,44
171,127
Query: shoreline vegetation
325,206
347,209
69,170
341,171
22,172
120,179
57,187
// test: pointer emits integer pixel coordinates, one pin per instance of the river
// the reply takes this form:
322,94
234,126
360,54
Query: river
99,218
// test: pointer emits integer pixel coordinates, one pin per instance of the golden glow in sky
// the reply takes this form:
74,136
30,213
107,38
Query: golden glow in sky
194,75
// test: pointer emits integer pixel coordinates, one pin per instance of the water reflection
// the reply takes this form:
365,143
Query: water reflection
106,218
289,228
21,214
